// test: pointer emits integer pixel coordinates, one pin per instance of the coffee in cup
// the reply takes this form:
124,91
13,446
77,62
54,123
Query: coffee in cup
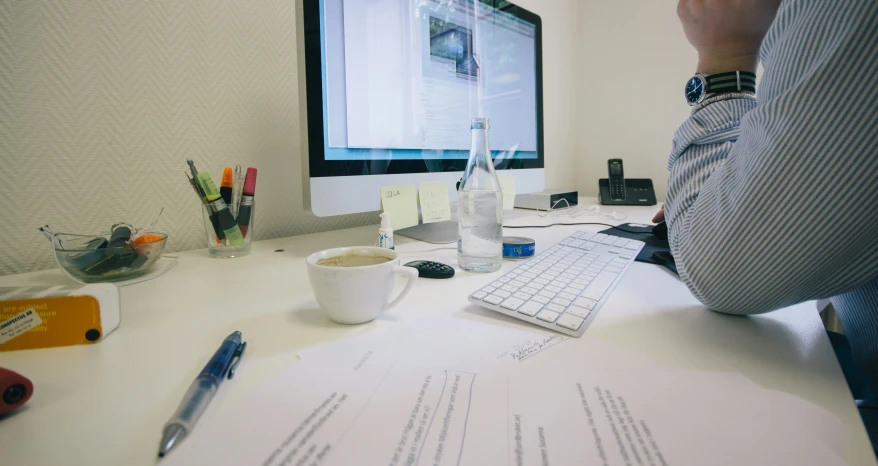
352,260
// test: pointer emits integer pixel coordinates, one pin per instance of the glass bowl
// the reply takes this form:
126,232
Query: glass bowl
90,265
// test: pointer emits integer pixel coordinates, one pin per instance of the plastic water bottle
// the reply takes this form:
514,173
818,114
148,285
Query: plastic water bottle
480,207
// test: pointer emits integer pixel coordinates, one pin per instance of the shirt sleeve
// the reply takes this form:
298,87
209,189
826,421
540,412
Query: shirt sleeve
776,202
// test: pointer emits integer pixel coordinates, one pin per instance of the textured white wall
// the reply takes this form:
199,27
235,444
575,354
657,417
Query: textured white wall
101,102
633,61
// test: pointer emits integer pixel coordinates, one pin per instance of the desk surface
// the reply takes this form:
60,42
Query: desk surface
106,403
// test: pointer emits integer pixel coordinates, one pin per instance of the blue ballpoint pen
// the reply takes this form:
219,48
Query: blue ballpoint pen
225,360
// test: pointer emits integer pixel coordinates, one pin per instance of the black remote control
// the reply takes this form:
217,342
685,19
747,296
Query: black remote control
428,269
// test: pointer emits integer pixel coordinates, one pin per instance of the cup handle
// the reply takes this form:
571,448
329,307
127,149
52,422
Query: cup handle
412,275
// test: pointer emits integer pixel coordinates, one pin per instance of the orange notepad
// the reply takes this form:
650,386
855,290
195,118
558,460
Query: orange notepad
44,317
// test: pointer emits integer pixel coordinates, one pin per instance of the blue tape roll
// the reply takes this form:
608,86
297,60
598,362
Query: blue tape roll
515,247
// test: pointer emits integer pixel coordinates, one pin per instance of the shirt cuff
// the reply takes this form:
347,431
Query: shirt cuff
716,123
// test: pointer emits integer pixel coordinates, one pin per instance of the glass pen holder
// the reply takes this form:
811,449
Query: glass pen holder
229,231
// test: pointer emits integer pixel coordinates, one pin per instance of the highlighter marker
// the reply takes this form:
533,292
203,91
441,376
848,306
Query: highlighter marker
226,186
225,218
220,235
246,208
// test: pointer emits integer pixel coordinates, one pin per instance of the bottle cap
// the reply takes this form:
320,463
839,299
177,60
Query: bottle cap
385,221
250,182
227,178
480,123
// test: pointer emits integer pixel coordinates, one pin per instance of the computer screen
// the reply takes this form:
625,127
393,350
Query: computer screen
393,84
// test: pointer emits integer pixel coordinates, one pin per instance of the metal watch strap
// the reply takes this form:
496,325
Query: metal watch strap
721,97
732,81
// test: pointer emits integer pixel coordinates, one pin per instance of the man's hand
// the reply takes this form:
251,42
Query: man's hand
726,33
660,216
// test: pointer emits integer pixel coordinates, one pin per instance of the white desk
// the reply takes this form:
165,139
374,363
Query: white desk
105,404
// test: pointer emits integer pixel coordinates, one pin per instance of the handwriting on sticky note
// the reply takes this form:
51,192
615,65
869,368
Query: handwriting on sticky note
402,205
435,206
507,184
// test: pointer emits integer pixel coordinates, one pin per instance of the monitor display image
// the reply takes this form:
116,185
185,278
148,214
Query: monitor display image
391,87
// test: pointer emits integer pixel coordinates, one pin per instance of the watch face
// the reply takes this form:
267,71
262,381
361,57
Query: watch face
694,89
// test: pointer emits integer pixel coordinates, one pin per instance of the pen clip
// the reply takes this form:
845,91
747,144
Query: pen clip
239,353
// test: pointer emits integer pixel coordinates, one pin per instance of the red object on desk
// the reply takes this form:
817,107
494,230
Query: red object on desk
15,390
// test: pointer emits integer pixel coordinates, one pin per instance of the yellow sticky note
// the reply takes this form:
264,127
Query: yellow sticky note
435,206
507,184
402,205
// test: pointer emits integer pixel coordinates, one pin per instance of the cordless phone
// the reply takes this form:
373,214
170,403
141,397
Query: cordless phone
617,180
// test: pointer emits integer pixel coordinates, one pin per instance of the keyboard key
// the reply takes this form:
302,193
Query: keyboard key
513,275
555,307
633,245
517,283
614,269
576,243
534,285
541,299
530,308
599,286
585,303
546,293
550,275
553,289
619,262
493,299
576,269
562,281
548,316
529,290
479,294
576,287
578,311
489,289
594,269
569,321
542,281
497,284
567,296
614,251
512,303
562,302
502,293
521,295
509,288
529,275
627,256
569,275
504,280
608,240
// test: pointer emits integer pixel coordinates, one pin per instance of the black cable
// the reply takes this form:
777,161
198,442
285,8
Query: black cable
579,223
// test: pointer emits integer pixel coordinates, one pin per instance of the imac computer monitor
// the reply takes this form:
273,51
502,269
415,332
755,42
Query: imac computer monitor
390,87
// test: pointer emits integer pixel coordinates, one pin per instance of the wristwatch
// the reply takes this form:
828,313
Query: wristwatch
704,86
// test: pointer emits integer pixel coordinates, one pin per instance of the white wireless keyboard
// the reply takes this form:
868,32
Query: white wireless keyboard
564,287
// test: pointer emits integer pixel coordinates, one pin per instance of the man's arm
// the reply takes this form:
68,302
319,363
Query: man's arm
773,204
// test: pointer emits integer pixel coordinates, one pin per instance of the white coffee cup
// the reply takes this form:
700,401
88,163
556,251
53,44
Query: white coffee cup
355,295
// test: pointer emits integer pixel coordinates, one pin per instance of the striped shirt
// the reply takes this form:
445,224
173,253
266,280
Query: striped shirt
774,202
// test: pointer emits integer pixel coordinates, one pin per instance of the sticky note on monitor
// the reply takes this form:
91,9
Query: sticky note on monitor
435,206
507,184
402,205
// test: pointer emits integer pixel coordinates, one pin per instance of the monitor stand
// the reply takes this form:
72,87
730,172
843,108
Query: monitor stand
445,232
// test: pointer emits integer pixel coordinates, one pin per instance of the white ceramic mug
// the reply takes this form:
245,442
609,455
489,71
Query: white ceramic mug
355,295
